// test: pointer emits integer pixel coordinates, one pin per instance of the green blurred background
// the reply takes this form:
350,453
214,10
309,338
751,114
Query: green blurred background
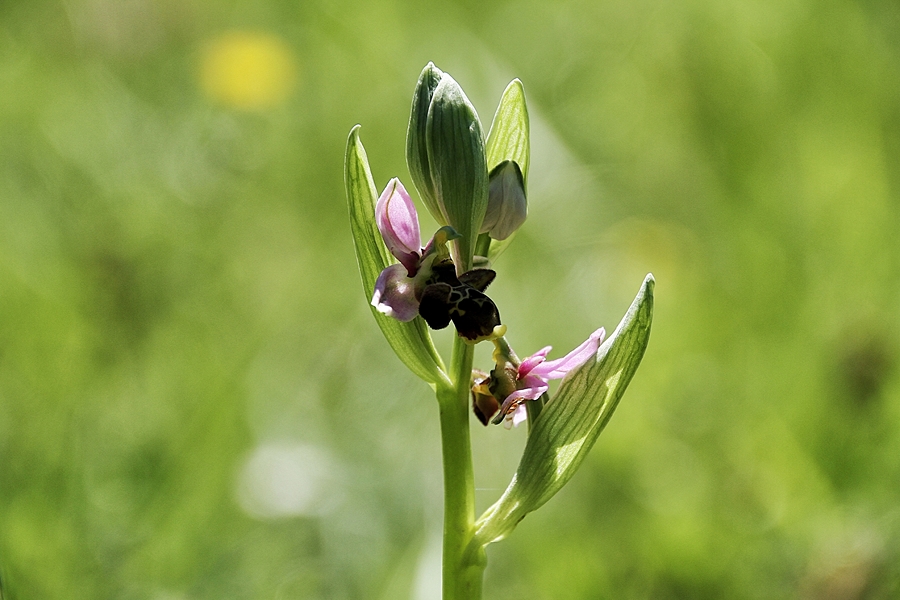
195,402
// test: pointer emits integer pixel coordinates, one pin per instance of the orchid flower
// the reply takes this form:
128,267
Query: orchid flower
512,382
425,281
399,287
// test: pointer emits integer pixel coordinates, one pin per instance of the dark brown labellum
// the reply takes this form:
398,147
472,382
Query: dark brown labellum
460,299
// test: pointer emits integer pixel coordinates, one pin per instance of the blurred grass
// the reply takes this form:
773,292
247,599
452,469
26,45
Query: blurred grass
179,301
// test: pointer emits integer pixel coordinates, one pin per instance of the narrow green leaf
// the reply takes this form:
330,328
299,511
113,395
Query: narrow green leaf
456,159
570,423
509,136
410,341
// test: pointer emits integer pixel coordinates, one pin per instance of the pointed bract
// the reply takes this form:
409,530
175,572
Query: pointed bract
568,425
508,142
509,138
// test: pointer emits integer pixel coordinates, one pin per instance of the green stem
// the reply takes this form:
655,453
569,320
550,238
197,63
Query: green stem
462,572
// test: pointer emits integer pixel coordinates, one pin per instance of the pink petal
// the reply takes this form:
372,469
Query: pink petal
534,392
533,382
534,360
517,416
557,369
398,222
395,294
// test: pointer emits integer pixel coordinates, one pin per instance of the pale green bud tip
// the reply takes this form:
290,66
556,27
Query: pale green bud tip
507,205
416,141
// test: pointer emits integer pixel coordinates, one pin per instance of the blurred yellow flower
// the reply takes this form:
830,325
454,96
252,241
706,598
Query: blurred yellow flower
247,70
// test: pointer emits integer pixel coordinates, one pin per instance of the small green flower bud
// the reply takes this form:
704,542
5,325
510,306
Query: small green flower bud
507,205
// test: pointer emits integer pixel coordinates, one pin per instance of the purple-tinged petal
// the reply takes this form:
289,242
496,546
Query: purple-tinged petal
533,382
557,369
530,393
536,388
398,222
534,360
519,415
395,294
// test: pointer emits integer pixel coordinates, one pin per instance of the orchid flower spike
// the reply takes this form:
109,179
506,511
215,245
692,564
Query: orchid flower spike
512,382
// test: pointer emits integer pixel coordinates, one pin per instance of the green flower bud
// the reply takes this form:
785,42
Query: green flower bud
445,152
507,206
416,143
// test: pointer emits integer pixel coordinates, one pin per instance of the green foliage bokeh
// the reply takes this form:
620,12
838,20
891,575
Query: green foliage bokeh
195,401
